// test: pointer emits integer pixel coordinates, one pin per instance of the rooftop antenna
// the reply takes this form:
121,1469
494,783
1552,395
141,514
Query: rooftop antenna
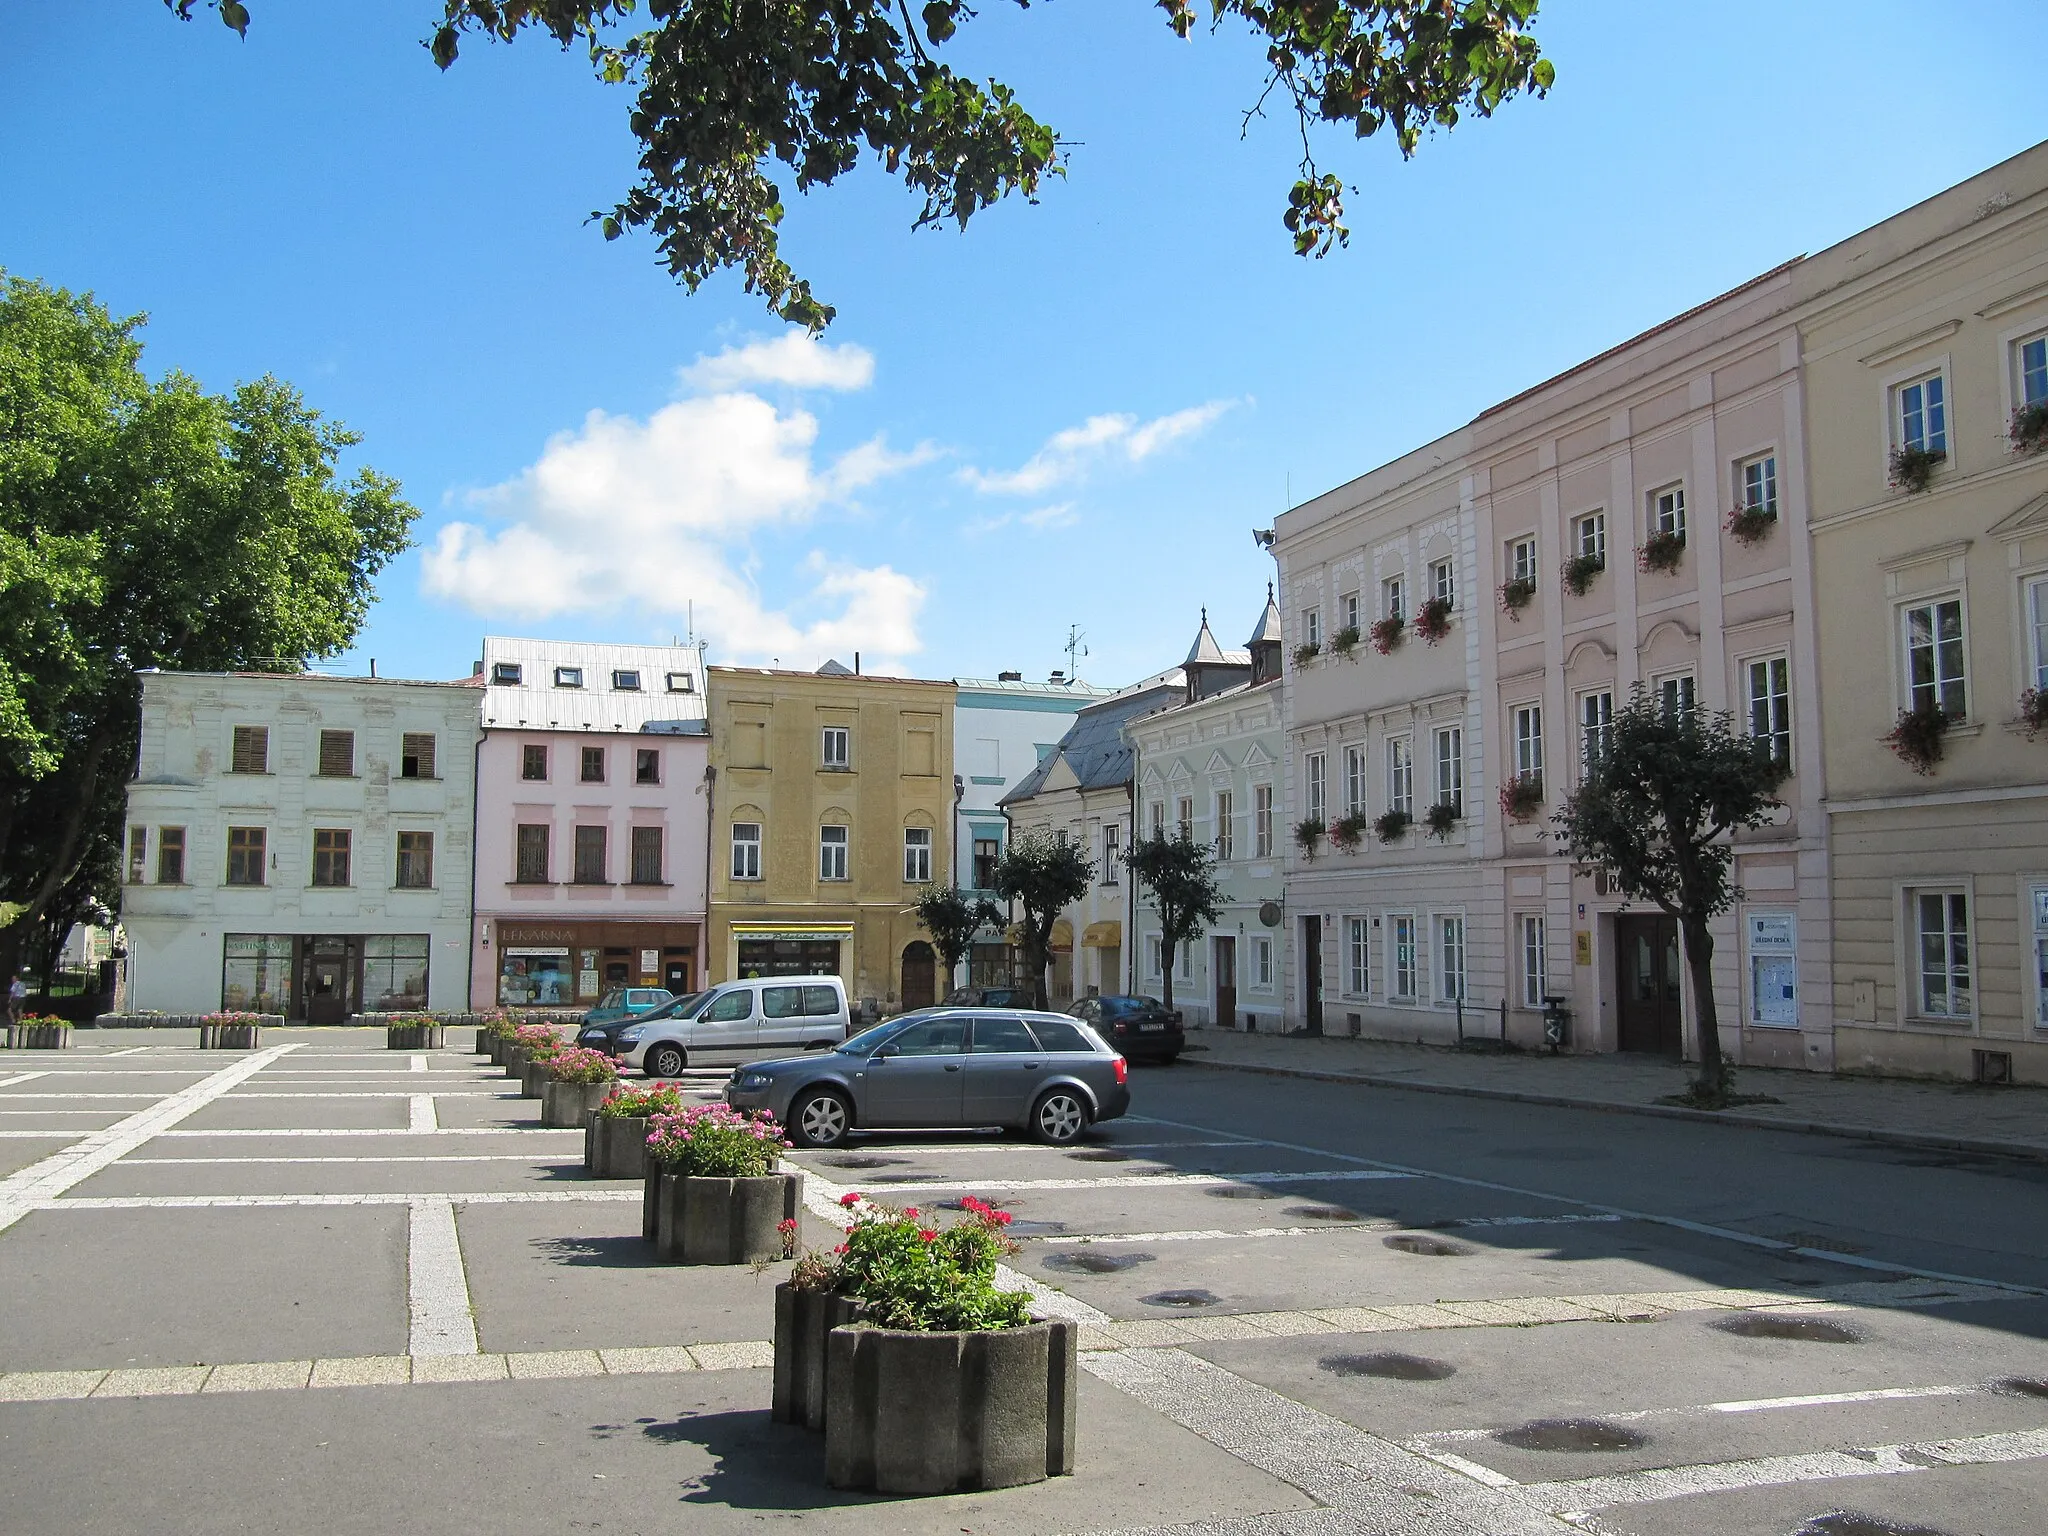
690,610
1075,649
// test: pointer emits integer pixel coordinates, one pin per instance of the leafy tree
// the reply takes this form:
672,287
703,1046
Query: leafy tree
147,524
725,92
1181,875
952,918
1655,810
1044,876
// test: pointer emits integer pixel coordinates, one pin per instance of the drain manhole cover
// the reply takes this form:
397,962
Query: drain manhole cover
1572,1435
1428,1247
1086,1261
1181,1299
1775,1325
1321,1212
1849,1522
1388,1367
1242,1192
862,1160
1100,1155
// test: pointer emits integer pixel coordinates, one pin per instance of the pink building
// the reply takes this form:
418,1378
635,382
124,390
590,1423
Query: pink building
591,822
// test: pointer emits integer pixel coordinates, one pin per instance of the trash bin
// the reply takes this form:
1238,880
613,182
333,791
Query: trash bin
1557,1024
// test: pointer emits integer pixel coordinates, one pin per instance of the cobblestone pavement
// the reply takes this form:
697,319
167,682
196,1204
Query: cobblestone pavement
326,1286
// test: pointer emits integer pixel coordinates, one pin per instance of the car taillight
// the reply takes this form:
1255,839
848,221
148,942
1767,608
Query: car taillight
1116,1029
1123,1070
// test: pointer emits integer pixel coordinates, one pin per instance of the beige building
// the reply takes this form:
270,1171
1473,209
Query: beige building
832,806
1930,332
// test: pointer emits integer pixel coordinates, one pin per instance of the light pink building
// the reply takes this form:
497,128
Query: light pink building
591,822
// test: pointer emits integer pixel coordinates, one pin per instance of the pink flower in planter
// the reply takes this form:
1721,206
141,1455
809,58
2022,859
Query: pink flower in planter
928,1234
849,1200
787,1224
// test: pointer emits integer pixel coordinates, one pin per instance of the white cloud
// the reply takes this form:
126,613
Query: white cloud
795,359
655,516
1071,452
1040,520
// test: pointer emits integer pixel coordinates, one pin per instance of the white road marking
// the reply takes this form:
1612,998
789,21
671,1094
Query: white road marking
1828,1399
1360,1224
388,1130
366,1093
27,1135
21,1077
376,1197
130,1051
419,1064
42,1182
420,1114
421,1157
40,1112
1132,1180
437,1288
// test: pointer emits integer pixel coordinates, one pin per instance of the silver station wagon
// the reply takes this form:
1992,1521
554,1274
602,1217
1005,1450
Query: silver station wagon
1040,1073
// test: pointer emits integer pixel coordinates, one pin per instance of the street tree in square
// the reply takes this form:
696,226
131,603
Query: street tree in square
728,96
1180,874
952,917
1660,798
1043,875
146,523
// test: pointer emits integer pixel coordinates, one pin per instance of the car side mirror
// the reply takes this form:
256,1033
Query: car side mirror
884,1052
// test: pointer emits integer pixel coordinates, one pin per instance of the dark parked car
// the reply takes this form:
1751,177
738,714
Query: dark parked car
602,1033
1142,1028
989,997
940,1068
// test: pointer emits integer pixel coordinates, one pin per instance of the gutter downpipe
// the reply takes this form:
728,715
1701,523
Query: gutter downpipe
476,805
1131,895
710,835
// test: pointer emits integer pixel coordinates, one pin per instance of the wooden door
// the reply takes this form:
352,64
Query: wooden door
328,982
1649,985
920,975
1312,973
1224,968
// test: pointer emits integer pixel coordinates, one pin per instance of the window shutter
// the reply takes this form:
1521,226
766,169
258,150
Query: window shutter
252,749
416,760
337,754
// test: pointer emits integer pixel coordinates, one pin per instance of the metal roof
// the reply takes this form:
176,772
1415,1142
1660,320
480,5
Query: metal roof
669,700
1094,747
1269,622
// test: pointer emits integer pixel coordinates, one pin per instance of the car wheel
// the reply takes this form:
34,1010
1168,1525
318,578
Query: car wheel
820,1119
666,1061
1059,1118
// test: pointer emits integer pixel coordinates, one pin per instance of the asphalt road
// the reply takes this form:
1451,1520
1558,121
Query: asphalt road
336,1288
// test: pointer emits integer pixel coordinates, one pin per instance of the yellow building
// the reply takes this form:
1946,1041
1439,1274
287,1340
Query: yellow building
832,806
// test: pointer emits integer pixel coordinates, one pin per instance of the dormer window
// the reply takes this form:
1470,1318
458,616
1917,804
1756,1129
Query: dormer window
568,677
506,674
627,681
681,682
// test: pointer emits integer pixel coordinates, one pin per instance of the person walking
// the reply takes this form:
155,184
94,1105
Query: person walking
17,995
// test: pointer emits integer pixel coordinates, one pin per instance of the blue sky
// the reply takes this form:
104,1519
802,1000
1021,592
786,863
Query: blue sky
1072,414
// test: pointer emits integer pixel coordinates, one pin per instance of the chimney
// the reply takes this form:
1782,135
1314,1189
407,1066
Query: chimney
1058,676
856,663
477,670
1009,677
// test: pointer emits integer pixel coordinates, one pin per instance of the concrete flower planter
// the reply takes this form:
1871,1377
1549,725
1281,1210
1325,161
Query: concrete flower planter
415,1037
566,1106
723,1221
513,1059
650,1200
533,1076
803,1321
615,1147
486,1044
948,1412
38,1037
230,1037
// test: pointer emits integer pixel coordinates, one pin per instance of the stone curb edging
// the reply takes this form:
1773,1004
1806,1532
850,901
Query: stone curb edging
1925,1140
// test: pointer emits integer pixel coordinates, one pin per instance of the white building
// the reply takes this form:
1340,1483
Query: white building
300,845
1003,728
1216,764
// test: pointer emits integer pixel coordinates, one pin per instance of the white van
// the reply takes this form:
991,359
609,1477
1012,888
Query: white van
738,1021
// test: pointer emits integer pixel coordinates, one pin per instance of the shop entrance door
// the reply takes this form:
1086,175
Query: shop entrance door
1312,973
1224,969
1650,1015
675,975
327,980
920,975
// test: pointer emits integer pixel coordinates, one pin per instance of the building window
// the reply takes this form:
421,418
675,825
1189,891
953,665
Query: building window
590,860
1155,955
251,751
1769,687
647,765
832,853
1159,818
1357,956
746,850
1262,962
1941,921
1450,768
170,855
1450,958
1934,658
330,855
681,682
256,971
1110,850
1529,741
568,677
593,765
507,674
533,761
245,855
1262,821
1184,816
2039,897
1675,696
1758,488
1773,970
1589,536
1401,960
416,755
1667,511
1596,727
415,861
138,853
1920,414
646,851
1187,956
917,855
2037,630
1347,612
1443,582
1354,781
1535,984
1393,601
1522,560
337,754
838,747
1225,844
1401,775
2032,356
1318,800
626,680
533,855
988,852
395,972
1312,626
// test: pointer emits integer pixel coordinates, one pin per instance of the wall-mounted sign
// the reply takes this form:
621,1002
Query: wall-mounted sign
1582,947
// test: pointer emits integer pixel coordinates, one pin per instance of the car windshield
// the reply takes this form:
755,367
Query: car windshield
1125,1004
682,1008
865,1042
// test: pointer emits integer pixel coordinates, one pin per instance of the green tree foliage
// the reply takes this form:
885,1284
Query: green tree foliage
727,90
952,918
147,524
1181,875
1655,810
1044,876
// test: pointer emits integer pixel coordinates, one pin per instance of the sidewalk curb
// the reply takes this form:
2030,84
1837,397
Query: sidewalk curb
2018,1150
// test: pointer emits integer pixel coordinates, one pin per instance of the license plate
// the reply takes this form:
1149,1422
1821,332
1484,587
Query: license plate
1151,1029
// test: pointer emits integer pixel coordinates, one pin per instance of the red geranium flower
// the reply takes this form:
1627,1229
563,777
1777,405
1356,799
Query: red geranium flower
928,1235
849,1200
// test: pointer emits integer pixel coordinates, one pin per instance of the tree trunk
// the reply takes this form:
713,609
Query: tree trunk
1166,951
1699,964
1036,957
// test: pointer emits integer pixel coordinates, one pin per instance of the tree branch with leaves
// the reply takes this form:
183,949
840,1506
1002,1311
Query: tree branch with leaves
1180,873
1044,875
953,918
